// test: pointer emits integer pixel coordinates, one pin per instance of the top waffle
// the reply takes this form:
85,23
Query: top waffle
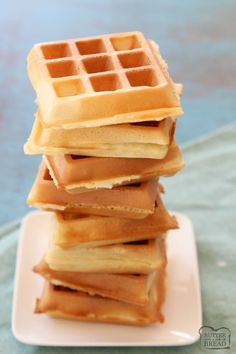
101,80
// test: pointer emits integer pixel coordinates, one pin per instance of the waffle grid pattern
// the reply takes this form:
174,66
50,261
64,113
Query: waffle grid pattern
99,64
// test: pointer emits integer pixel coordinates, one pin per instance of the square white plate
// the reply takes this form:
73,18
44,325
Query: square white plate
182,310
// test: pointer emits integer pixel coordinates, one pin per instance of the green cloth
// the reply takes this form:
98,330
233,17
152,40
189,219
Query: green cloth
206,191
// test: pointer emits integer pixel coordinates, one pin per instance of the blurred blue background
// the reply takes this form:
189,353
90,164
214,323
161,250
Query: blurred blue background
196,37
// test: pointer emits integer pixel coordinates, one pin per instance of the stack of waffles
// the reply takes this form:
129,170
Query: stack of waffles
105,125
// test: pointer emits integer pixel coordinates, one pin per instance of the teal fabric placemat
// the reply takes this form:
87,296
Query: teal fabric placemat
205,191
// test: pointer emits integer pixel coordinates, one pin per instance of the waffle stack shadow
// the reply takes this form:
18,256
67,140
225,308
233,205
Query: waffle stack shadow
105,126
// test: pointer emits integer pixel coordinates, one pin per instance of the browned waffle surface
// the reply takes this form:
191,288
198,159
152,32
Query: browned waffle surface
94,231
62,302
134,201
149,139
132,288
101,80
140,257
74,172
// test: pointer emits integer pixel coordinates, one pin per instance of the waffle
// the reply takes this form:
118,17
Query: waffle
64,303
130,288
134,201
103,80
140,140
95,231
139,257
73,173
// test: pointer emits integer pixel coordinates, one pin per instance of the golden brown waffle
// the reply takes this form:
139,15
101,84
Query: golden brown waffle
72,172
132,288
62,302
140,140
94,231
134,201
140,257
103,80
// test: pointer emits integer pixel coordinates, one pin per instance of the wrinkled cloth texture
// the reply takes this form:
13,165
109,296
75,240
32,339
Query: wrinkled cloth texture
206,192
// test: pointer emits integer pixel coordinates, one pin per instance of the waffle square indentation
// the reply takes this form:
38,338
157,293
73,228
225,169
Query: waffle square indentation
62,68
98,64
79,157
91,46
55,51
145,77
108,82
133,59
150,123
69,88
125,42
47,176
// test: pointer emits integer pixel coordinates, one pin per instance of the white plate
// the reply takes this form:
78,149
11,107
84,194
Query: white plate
182,309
